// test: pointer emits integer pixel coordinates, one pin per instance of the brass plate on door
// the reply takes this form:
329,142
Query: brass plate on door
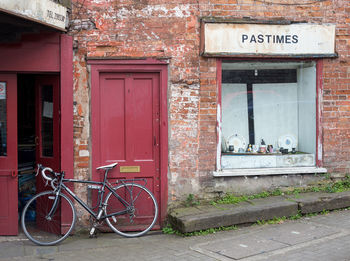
126,169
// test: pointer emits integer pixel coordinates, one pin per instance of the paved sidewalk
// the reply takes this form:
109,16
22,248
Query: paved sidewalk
323,237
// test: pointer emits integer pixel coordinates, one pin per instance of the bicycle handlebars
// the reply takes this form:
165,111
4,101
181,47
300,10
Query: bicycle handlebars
44,175
48,179
43,169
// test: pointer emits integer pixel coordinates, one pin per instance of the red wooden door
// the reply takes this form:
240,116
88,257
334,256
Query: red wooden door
47,131
125,126
8,155
47,124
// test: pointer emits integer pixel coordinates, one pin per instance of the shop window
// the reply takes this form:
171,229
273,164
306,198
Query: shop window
268,115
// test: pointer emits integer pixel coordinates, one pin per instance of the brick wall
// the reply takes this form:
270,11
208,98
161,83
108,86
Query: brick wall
171,31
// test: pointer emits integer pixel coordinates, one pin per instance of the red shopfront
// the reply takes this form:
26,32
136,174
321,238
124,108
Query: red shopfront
36,111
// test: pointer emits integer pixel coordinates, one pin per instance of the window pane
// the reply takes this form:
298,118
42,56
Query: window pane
275,111
234,110
3,120
47,121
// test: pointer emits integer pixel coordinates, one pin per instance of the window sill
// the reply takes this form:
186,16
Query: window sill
267,171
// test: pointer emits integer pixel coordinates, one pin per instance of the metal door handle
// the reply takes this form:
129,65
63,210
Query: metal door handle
13,173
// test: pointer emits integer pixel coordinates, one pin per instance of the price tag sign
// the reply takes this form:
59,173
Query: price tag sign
2,90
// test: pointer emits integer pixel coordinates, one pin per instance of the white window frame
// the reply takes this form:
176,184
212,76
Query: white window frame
271,171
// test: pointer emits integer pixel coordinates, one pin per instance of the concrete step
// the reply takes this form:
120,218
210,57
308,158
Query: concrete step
190,219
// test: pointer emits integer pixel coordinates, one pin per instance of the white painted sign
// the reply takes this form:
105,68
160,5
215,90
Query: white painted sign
2,90
265,39
43,11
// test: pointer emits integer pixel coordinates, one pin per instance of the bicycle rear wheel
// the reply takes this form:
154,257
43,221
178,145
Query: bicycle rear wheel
141,210
44,230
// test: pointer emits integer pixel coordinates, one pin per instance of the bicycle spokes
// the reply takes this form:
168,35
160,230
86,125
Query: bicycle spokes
43,221
138,216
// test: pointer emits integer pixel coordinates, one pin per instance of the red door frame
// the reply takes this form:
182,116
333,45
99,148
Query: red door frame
66,105
319,91
146,65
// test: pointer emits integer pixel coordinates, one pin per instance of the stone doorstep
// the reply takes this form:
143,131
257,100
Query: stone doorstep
318,202
207,216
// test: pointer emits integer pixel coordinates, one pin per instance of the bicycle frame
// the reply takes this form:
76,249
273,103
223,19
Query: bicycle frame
104,184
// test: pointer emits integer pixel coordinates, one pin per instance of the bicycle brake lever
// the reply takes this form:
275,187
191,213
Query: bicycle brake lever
38,170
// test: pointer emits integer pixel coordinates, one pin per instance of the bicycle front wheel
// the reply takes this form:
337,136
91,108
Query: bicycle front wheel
43,229
139,205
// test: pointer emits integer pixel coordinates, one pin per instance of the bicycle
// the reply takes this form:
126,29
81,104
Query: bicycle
129,208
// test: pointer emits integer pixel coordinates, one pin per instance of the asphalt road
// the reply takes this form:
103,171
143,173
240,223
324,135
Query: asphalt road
322,237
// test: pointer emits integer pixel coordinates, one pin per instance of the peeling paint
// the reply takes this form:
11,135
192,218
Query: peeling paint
84,153
218,148
160,11
195,185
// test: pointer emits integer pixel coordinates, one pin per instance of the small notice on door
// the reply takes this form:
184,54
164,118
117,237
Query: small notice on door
48,110
2,90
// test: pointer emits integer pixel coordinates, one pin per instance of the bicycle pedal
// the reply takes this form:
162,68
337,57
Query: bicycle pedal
93,235
92,231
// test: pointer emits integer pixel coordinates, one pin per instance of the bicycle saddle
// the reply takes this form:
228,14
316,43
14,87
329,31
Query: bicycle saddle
110,166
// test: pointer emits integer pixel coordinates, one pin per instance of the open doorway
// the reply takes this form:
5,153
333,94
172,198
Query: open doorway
26,139
38,132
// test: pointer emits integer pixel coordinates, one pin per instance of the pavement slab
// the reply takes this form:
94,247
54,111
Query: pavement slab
293,233
243,246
